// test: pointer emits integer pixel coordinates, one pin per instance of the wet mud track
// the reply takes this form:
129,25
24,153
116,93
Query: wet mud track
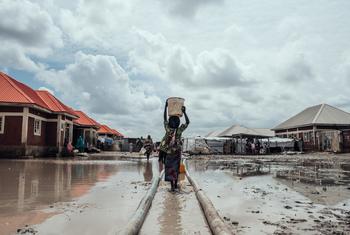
175,213
266,204
69,196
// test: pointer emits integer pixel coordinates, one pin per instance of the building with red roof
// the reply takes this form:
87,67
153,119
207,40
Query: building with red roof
86,127
105,130
109,139
32,122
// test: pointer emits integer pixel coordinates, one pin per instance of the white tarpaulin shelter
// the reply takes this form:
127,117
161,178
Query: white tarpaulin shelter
242,131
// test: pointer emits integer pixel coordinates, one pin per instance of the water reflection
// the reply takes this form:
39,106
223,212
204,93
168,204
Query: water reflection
148,172
26,185
170,219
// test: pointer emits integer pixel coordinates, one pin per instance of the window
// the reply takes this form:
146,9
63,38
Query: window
2,124
37,127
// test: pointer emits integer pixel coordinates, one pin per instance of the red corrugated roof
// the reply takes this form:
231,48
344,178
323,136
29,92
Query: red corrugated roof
104,129
85,120
13,91
55,104
117,133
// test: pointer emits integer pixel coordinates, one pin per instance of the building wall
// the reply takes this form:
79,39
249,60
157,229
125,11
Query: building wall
36,140
346,141
313,143
47,143
11,109
12,132
51,133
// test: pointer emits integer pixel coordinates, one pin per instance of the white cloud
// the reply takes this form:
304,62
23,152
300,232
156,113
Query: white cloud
99,85
243,62
26,31
155,56
188,8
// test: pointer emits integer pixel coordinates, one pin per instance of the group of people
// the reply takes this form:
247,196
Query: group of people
253,146
145,145
171,146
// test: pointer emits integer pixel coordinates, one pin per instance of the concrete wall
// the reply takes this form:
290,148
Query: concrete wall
36,140
12,132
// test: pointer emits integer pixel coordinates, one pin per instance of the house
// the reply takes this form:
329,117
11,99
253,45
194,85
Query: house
105,131
86,127
321,127
109,138
32,123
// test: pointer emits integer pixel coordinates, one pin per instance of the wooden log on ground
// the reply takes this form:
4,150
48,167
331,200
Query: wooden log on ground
216,223
135,223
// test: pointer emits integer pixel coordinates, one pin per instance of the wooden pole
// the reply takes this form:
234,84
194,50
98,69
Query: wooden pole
136,221
216,223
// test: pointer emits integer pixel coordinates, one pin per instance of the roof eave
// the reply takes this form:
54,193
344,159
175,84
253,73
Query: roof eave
311,124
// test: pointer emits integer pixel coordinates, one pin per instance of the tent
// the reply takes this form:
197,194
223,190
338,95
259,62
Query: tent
242,132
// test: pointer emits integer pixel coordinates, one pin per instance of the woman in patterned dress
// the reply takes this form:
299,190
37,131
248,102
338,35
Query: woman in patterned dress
172,146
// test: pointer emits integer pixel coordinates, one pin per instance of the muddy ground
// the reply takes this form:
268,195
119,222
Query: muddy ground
299,194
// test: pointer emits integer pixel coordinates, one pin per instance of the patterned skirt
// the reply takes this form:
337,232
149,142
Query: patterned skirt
172,166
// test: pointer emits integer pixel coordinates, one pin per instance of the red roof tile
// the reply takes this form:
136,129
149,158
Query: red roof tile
55,104
13,91
85,120
117,133
104,129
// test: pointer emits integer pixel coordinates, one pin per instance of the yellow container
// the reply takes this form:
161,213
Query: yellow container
182,168
175,106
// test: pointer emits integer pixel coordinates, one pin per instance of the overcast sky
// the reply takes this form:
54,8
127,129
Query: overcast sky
253,62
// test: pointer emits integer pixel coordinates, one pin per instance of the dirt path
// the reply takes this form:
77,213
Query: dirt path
175,213
266,205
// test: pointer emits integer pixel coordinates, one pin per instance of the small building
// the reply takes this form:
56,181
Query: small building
321,128
106,131
32,123
86,127
108,138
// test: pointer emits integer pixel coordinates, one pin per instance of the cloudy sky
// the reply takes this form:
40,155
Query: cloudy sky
253,62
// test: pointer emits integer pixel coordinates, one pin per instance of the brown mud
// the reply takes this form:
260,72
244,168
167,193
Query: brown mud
70,196
306,194
175,213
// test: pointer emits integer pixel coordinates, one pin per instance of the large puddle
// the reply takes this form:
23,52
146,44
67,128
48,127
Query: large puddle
70,196
262,203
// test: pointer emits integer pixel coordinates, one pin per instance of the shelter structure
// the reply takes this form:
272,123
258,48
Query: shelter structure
106,131
245,132
239,139
32,122
86,127
108,138
321,128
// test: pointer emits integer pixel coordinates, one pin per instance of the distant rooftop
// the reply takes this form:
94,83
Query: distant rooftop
322,114
239,130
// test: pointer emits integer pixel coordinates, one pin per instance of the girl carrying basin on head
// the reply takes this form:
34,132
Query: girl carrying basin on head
171,144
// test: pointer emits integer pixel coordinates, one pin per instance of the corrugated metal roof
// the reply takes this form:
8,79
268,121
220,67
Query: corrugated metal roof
85,120
104,129
322,114
13,91
214,133
117,133
55,104
239,130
